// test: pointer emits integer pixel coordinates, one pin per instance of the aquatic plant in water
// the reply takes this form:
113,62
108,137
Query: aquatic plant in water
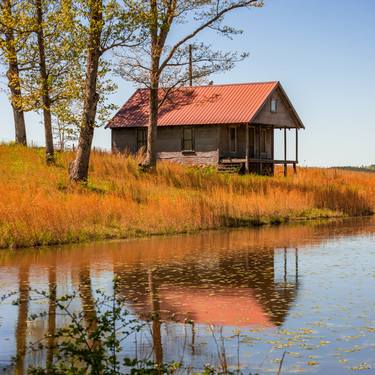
91,341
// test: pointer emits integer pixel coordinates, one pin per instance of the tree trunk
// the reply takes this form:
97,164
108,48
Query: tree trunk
150,161
14,82
46,100
80,167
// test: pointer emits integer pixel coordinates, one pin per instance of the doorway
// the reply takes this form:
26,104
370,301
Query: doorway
251,142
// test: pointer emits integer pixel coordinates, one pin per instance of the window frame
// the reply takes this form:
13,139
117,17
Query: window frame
274,103
231,149
184,139
141,140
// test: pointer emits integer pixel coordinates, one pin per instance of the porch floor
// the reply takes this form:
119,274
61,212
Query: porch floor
269,161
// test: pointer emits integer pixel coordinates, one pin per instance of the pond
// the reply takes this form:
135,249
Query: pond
304,293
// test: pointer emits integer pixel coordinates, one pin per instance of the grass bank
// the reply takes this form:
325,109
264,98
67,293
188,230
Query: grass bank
38,205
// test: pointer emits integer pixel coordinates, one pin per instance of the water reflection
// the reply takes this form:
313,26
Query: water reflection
52,285
235,289
21,331
235,279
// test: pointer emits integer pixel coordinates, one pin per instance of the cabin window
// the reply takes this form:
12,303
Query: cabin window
142,139
232,139
188,142
263,142
273,105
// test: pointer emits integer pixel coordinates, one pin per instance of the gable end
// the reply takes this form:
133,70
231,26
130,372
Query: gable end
285,116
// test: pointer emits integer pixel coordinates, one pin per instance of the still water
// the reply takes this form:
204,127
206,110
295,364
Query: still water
304,292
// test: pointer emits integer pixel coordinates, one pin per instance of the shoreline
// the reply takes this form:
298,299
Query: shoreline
251,224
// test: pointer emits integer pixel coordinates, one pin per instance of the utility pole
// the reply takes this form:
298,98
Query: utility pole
191,64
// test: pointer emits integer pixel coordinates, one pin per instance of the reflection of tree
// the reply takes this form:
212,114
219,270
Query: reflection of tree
51,315
150,285
155,313
23,309
87,299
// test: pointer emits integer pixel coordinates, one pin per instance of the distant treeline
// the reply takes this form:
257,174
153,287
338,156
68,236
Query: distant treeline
363,168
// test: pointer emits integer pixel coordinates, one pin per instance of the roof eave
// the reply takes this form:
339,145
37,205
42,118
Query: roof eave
108,126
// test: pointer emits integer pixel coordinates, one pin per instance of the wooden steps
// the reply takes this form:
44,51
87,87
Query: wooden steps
229,167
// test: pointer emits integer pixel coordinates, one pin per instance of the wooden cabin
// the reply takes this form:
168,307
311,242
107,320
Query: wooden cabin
229,126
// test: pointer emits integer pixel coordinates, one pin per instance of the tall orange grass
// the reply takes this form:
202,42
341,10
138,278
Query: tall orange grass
38,205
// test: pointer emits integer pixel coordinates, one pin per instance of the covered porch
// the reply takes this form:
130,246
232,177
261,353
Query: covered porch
251,149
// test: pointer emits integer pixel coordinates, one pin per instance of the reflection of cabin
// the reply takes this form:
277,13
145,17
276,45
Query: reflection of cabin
235,291
229,126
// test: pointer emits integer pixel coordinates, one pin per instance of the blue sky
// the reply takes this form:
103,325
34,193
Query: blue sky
323,52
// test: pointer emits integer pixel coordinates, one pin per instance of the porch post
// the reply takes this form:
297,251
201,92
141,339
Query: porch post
259,152
247,167
296,145
285,153
296,160
273,150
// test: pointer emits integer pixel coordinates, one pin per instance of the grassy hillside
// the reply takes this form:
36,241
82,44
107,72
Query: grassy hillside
38,205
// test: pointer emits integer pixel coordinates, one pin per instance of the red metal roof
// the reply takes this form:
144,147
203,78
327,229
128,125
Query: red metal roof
198,105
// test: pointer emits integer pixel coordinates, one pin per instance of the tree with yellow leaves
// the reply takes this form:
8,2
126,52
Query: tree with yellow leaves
11,41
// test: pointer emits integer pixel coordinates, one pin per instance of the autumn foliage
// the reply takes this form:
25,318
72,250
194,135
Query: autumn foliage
39,206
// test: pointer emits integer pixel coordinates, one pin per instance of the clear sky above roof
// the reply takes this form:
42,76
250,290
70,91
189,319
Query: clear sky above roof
323,52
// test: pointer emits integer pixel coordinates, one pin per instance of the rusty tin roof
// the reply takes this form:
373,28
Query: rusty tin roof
200,105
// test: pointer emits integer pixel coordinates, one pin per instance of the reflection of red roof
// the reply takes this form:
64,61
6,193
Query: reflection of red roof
198,105
236,307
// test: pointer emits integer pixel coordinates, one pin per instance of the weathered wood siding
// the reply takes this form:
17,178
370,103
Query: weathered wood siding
282,118
224,143
124,140
206,145
169,144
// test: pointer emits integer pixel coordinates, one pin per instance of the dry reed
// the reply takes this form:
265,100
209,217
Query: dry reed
38,205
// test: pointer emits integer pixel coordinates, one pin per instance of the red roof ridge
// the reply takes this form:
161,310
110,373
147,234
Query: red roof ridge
218,85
